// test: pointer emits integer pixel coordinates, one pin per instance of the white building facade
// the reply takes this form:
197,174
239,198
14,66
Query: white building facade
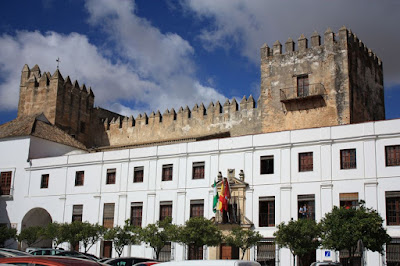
320,167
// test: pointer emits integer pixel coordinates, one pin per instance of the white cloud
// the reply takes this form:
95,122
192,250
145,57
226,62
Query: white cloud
143,69
249,24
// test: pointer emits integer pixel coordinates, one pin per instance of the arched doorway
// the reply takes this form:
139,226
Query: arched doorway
37,217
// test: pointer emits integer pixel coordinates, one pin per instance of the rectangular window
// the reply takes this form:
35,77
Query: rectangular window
266,252
392,154
393,252
306,206
79,178
111,176
165,210
302,86
348,159
195,254
108,215
198,170
348,200
196,208
266,217
44,182
167,172
5,182
77,211
306,162
165,253
267,165
138,173
393,207
136,213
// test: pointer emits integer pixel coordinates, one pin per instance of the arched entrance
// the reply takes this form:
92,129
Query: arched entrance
37,217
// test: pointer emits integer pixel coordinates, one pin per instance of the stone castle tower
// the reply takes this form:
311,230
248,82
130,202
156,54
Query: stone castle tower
336,82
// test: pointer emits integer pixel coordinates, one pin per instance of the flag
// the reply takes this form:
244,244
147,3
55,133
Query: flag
227,194
215,203
221,198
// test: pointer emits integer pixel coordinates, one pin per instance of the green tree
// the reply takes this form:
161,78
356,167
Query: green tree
121,237
90,234
243,239
342,229
197,232
300,236
72,232
31,235
7,233
56,232
159,234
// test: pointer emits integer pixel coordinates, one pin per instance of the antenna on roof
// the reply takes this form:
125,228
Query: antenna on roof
58,62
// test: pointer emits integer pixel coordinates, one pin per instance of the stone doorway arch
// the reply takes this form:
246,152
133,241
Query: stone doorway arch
37,217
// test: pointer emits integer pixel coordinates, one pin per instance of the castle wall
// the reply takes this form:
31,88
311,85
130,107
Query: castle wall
326,67
366,82
232,118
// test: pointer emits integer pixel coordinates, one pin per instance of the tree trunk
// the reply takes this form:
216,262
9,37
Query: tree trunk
243,251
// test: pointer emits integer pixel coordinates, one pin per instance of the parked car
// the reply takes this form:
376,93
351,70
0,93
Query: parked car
49,261
46,251
76,254
326,263
210,263
8,252
126,261
146,263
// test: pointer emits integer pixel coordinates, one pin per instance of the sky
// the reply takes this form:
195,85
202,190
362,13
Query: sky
148,55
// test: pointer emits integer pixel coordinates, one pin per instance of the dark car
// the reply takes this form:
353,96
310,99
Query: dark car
76,254
127,261
48,261
7,252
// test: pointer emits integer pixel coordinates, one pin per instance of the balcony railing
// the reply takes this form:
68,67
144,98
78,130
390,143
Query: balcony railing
316,90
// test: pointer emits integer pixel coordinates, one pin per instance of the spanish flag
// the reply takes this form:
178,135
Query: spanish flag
221,198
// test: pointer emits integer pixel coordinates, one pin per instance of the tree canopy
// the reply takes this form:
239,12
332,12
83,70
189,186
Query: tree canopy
300,236
197,232
7,233
31,235
121,237
159,234
243,239
342,229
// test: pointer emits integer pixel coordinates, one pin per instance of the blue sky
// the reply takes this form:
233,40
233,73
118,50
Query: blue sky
148,55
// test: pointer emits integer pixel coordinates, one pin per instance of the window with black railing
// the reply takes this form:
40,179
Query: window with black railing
266,252
165,253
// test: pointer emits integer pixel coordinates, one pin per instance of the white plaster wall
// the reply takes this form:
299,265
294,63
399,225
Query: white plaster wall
370,179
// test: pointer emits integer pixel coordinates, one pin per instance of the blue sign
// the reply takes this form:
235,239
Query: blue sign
327,253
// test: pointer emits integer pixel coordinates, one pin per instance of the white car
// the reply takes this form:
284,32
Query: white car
326,263
210,263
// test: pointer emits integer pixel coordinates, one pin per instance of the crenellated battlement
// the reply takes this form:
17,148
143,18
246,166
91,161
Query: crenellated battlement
341,40
198,121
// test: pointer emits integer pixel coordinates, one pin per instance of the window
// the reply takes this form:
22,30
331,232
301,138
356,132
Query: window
106,249
5,182
348,159
306,206
138,174
165,253
111,176
44,182
393,252
392,154
305,161
348,200
393,207
77,211
196,208
108,215
266,252
165,210
302,86
167,172
266,211
79,178
198,170
267,165
136,213
195,253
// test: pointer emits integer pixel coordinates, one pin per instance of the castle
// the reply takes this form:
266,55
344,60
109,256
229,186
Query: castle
335,83
316,137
